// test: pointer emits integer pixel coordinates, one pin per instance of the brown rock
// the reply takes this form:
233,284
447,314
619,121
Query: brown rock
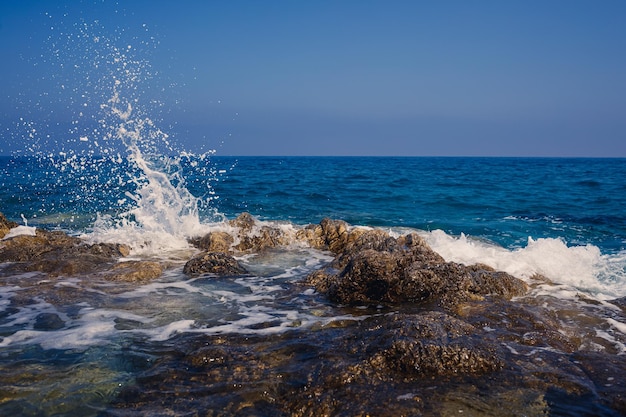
266,237
5,225
214,263
244,221
57,253
377,268
135,271
215,242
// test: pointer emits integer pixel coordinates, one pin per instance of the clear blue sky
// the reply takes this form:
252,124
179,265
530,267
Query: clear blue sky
493,78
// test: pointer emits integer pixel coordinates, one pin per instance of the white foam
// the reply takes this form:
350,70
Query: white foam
584,268
21,231
94,327
166,332
617,325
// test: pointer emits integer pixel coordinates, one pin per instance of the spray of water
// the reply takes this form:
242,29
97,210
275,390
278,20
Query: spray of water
113,166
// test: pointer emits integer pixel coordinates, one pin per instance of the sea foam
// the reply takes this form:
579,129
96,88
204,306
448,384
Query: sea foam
584,268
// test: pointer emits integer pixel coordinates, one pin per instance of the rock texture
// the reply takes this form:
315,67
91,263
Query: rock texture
56,253
372,267
217,263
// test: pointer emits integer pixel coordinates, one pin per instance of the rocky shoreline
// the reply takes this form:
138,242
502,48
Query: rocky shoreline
442,337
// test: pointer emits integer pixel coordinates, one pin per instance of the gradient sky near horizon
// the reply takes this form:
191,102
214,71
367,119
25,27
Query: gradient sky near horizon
436,78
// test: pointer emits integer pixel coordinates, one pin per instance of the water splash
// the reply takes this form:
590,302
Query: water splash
581,268
112,167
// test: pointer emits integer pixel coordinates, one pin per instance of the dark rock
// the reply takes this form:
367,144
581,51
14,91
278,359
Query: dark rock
431,343
377,268
488,281
214,263
607,372
48,321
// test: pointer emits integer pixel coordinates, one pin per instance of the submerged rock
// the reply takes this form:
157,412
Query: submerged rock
214,263
48,321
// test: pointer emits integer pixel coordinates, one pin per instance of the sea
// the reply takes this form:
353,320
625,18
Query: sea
558,217
125,181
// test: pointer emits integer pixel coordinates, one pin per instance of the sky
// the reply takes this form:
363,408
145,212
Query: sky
407,78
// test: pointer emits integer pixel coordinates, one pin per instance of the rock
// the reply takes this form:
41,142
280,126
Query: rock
377,268
135,271
620,302
432,343
328,235
266,237
5,225
215,242
57,253
244,221
48,321
214,263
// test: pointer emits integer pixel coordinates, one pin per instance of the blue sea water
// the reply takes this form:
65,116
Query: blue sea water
503,200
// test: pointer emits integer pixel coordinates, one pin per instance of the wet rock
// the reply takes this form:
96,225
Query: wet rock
431,343
249,236
515,402
329,235
48,321
377,268
135,271
244,221
5,225
215,242
214,263
607,372
488,281
57,253
264,238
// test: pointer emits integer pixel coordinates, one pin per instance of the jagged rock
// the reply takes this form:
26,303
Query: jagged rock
266,237
488,281
57,253
135,271
214,263
431,343
377,268
215,242
5,225
244,221
328,235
